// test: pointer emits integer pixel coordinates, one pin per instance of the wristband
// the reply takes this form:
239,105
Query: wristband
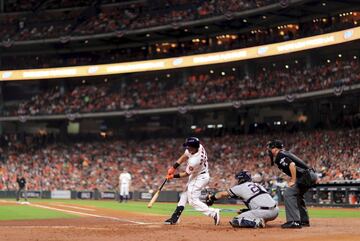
177,175
176,165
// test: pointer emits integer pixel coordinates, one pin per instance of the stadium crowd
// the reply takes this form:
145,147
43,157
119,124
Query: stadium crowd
161,49
97,18
335,155
196,89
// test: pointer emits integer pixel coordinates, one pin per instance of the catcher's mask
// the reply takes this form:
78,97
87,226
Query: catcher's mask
243,176
273,144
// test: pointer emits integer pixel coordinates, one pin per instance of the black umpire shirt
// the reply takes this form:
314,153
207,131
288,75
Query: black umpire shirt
21,182
283,160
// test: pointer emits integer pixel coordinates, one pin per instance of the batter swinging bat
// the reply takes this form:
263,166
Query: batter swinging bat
153,199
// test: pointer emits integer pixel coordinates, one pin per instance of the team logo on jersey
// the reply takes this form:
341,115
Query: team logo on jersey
282,161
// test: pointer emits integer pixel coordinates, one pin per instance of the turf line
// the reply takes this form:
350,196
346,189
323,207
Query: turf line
73,207
88,214
83,213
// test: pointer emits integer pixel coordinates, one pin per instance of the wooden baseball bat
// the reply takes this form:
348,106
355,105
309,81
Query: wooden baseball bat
153,199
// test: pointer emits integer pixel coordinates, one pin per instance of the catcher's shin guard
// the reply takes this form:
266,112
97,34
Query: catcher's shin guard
243,223
175,216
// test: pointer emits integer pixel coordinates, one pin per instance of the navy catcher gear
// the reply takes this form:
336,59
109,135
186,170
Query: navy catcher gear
243,176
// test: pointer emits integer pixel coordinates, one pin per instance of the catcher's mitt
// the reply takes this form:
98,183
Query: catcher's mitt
210,198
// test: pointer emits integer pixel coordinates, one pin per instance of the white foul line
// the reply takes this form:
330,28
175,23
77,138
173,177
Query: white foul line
88,214
81,213
74,207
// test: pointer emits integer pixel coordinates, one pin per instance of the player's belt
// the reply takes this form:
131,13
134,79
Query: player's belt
203,172
268,208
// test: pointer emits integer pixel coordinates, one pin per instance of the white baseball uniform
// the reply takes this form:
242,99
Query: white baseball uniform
124,182
197,167
257,199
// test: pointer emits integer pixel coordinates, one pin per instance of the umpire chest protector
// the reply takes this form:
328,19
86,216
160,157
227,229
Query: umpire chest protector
304,176
283,160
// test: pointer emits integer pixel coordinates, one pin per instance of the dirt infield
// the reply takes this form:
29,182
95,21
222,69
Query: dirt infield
112,225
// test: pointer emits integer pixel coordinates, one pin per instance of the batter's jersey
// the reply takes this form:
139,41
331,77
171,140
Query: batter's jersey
197,163
253,195
124,178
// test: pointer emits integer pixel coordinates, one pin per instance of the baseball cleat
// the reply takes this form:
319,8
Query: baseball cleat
261,224
171,221
217,217
292,224
305,224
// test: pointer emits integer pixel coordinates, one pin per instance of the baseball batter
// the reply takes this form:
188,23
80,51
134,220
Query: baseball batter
260,205
197,171
124,183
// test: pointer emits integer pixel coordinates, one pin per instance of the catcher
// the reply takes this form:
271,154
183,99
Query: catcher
260,205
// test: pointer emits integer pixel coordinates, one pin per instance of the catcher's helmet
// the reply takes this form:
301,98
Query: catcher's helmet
275,144
192,142
243,176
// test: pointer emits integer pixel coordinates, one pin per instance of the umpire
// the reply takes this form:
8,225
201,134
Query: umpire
302,178
22,187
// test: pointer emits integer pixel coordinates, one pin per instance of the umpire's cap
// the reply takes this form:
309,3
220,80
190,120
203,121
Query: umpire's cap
275,144
192,142
243,176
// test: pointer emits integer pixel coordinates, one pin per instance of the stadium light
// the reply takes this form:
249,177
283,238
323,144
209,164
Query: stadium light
193,127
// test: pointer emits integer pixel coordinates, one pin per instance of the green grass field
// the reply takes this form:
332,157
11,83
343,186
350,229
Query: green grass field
25,212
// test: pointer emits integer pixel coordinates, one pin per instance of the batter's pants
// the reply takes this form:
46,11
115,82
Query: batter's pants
193,192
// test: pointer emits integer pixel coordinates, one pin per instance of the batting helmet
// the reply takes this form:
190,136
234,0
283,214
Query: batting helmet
275,144
243,176
192,142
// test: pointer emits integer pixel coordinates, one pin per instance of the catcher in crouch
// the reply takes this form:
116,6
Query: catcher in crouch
260,205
